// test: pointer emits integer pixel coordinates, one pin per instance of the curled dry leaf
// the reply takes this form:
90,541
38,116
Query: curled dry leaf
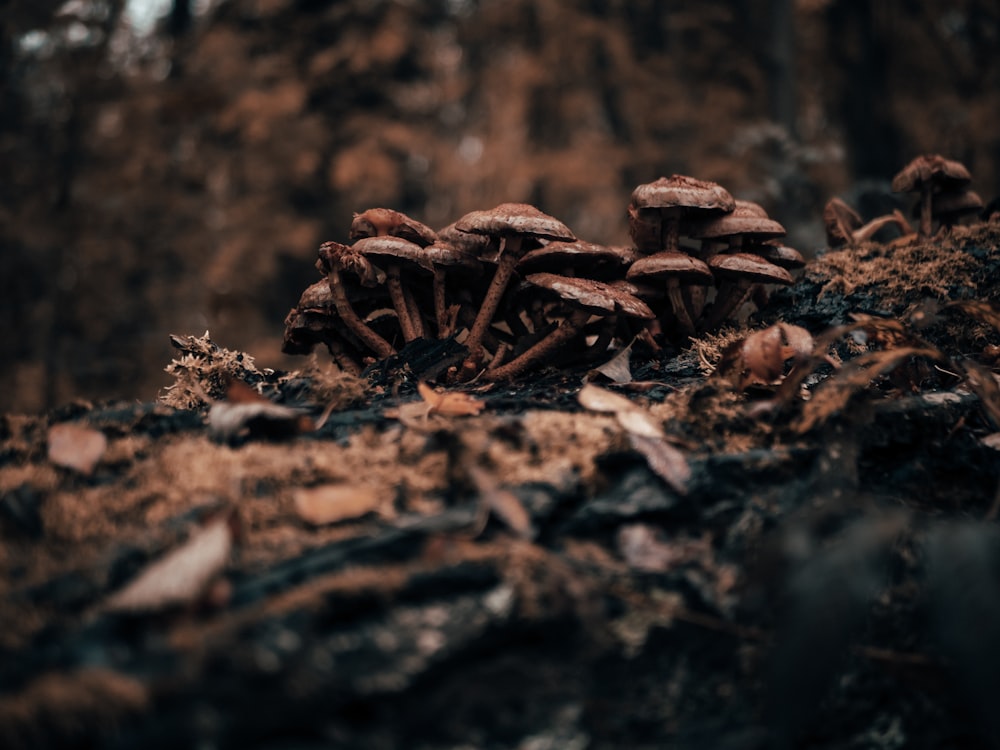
182,576
760,358
330,503
76,447
984,384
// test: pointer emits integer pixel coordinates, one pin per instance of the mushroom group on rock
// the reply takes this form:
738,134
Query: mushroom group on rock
519,290
929,175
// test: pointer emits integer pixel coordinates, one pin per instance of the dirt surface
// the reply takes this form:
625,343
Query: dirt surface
712,562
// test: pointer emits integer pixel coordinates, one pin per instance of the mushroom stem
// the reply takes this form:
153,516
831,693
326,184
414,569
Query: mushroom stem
441,304
395,285
505,269
684,322
925,212
671,232
731,296
369,338
416,319
868,231
565,333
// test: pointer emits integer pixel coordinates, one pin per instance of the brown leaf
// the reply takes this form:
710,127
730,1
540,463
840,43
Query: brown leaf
600,399
644,548
330,503
76,447
449,403
665,460
502,503
833,395
984,384
180,577
617,369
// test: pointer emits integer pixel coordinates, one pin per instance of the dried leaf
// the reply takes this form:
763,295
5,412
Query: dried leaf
502,503
991,441
600,399
180,577
640,423
833,395
984,384
76,447
618,369
665,460
449,403
330,503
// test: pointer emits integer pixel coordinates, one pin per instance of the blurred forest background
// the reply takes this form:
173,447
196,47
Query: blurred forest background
170,166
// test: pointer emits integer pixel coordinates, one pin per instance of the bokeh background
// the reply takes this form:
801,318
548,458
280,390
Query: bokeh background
170,166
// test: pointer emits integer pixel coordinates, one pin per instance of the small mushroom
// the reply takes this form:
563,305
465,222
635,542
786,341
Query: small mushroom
444,256
336,258
392,254
584,298
600,262
516,224
675,269
949,208
927,175
657,208
738,272
384,222
748,221
841,220
780,255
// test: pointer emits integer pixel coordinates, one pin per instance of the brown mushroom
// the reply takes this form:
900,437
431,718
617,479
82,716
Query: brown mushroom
948,208
748,221
657,208
927,175
780,255
579,258
384,222
675,269
584,298
392,254
516,224
738,272
336,258
444,256
841,220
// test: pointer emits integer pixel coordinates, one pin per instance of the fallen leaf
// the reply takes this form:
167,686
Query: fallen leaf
665,460
618,369
640,423
644,548
329,503
502,503
595,398
449,403
76,447
181,576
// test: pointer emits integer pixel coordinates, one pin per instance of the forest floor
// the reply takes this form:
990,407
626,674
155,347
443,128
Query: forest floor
688,556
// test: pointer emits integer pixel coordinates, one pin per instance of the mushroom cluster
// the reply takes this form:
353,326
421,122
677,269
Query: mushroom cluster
518,289
944,196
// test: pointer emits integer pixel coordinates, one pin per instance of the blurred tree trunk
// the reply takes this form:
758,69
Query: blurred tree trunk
781,64
858,49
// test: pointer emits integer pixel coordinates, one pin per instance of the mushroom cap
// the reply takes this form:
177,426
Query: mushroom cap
578,254
443,253
316,297
956,203
680,191
669,264
594,296
780,255
748,218
382,222
509,219
930,169
335,256
749,267
394,249
640,289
